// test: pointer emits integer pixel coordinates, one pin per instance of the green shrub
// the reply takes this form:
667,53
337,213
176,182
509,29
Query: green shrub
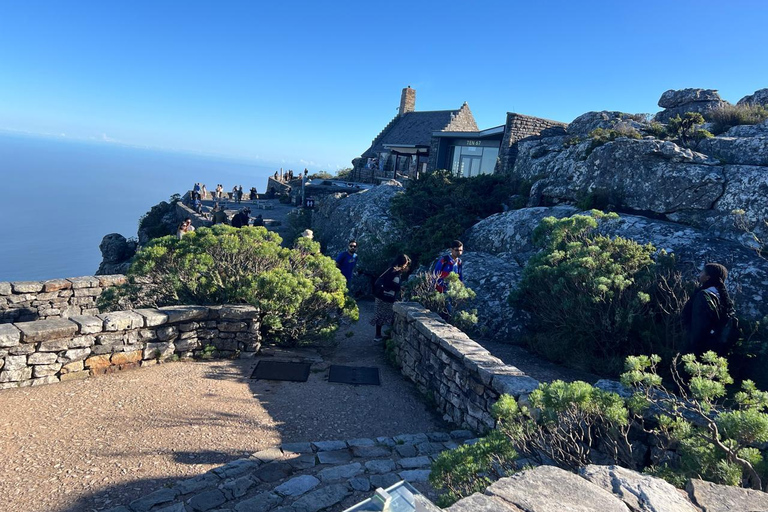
297,221
439,207
657,130
471,468
593,299
685,128
453,305
151,223
602,136
716,442
344,174
299,292
728,116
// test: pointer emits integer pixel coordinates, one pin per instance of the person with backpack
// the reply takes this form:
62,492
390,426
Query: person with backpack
709,316
448,263
386,290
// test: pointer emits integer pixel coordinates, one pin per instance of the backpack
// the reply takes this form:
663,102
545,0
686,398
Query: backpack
729,332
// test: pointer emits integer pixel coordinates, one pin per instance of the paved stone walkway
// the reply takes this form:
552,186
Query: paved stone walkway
306,477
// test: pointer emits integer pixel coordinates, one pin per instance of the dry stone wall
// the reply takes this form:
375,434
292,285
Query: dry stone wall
458,374
24,301
59,349
517,128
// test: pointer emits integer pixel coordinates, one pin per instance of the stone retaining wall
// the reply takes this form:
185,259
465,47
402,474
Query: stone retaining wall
25,301
59,349
459,375
520,127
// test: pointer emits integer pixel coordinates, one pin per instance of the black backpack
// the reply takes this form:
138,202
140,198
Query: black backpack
729,332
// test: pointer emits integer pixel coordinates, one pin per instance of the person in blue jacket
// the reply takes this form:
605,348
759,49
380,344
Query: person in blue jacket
346,260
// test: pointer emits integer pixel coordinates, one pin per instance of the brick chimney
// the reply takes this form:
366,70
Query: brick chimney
407,101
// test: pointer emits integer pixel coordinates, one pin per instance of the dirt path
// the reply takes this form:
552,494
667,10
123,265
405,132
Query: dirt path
93,444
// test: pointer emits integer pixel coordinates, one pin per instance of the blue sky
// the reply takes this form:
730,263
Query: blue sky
311,83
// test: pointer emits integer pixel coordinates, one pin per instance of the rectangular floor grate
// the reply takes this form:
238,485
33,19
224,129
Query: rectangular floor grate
281,370
354,375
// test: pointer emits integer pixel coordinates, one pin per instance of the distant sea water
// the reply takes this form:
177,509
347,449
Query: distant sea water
59,198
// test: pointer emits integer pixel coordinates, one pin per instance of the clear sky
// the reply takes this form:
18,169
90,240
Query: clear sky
312,83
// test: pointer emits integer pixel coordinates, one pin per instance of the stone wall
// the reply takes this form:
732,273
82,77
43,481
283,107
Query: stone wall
59,349
458,374
25,301
517,128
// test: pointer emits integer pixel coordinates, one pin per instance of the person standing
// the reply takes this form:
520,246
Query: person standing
219,215
203,192
347,260
387,292
705,312
448,263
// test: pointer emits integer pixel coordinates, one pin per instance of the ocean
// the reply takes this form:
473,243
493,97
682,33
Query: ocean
59,198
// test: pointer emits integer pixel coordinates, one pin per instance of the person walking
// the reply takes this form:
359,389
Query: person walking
387,292
705,313
347,260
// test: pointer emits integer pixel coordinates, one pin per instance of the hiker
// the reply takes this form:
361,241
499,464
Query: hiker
387,291
708,308
253,194
346,261
219,215
448,263
184,228
203,192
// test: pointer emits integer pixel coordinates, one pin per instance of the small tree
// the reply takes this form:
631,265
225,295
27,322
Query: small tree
719,442
686,128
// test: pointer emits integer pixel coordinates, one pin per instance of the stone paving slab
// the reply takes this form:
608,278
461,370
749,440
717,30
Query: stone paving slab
272,480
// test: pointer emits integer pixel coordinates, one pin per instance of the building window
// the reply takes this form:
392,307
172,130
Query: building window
468,161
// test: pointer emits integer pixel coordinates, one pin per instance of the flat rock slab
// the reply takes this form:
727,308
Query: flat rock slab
482,503
88,324
725,498
259,503
321,498
551,489
335,457
297,486
344,472
122,320
10,336
178,314
44,330
640,492
328,446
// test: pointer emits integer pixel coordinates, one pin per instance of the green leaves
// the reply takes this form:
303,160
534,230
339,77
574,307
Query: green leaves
300,292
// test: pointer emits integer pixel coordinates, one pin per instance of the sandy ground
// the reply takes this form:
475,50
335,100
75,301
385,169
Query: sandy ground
94,444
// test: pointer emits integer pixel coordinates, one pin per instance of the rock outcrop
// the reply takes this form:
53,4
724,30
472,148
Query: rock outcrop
658,178
116,253
583,125
679,102
760,97
499,247
365,217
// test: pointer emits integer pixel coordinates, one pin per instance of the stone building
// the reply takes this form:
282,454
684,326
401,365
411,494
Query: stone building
417,142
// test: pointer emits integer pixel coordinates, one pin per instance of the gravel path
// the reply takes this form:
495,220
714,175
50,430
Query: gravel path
93,444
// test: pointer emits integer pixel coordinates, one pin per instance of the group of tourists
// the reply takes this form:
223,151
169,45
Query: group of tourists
283,176
387,288
200,193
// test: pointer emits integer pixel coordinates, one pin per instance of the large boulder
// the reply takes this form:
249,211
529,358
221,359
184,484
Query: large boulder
116,253
583,125
678,102
499,247
364,216
658,178
642,493
760,97
725,498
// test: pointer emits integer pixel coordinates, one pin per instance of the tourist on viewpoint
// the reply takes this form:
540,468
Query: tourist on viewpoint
387,292
347,260
184,228
706,312
219,215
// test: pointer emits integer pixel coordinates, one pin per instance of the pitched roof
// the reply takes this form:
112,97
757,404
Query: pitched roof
416,128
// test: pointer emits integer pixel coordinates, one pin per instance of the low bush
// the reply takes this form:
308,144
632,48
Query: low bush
602,136
299,292
593,299
657,130
687,128
453,305
728,116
